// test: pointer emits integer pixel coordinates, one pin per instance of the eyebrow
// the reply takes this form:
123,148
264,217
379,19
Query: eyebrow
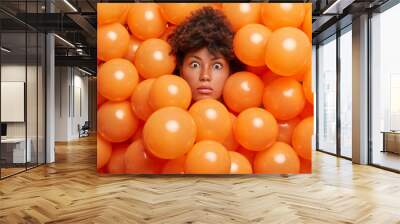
214,58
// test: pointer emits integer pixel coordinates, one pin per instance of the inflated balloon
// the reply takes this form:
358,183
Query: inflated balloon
123,19
307,24
241,14
247,153
302,138
170,29
112,41
268,77
140,99
109,13
249,44
175,166
153,59
257,70
243,90
288,51
116,121
104,150
138,134
256,129
278,15
133,45
116,164
100,100
170,90
169,132
138,160
176,13
307,87
212,120
284,98
230,142
278,159
286,129
239,164
305,165
117,78
308,111
208,157
145,21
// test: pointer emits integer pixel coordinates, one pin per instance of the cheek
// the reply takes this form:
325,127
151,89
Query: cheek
219,80
190,76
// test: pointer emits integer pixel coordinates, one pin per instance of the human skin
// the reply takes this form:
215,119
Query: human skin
205,73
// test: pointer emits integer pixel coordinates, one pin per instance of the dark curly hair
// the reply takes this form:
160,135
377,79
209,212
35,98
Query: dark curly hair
206,27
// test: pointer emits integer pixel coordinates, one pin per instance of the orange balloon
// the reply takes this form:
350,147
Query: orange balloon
307,24
137,160
284,98
138,134
133,45
257,70
280,158
308,111
100,100
123,19
256,129
268,77
243,90
302,138
307,87
145,21
230,142
247,153
212,120
286,129
208,157
109,13
116,121
241,14
116,164
140,99
153,59
249,44
305,166
288,51
176,13
104,150
169,132
278,15
117,79
170,90
170,29
175,166
112,41
239,164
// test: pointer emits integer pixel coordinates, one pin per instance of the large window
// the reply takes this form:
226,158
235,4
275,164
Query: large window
22,88
346,92
327,96
385,89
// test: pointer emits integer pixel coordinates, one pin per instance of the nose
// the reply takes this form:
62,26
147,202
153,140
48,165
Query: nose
205,75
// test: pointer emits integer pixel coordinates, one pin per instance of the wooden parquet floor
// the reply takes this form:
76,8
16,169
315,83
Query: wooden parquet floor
70,191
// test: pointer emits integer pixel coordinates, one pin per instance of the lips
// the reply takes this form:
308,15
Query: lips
205,90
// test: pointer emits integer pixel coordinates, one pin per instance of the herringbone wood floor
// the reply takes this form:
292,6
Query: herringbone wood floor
70,191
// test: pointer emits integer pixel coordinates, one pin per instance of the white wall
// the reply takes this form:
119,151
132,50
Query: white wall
70,83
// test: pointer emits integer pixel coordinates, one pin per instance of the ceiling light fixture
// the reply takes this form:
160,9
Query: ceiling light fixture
70,5
5,50
64,40
84,71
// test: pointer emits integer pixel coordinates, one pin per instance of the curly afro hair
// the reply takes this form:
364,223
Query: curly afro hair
206,27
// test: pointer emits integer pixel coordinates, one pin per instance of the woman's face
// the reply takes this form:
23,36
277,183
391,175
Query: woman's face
206,73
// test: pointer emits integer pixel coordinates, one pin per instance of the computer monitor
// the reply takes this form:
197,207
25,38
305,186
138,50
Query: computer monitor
3,129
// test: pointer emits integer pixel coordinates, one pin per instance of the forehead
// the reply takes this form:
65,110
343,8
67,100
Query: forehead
204,54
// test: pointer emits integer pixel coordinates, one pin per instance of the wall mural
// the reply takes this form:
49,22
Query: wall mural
204,88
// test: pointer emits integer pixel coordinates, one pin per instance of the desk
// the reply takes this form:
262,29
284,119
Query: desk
16,148
391,141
